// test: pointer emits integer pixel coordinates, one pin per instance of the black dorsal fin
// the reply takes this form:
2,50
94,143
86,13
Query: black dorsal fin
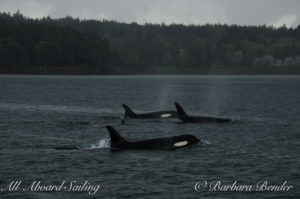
180,111
128,111
115,137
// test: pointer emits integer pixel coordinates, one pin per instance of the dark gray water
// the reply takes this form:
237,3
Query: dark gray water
38,113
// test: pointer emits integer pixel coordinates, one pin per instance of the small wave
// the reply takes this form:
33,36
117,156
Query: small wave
103,143
206,142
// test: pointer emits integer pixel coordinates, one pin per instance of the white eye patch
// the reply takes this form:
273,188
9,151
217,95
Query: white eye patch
166,115
182,143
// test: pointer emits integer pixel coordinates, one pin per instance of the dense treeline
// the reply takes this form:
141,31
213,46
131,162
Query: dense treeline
67,45
41,46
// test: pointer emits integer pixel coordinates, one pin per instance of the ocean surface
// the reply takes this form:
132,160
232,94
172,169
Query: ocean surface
261,144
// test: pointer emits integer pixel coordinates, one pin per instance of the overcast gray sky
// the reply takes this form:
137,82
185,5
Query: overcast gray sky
242,12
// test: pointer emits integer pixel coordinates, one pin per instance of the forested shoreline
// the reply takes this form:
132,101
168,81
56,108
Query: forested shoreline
73,46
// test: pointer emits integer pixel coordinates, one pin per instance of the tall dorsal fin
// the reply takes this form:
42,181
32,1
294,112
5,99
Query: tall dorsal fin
128,111
115,137
180,111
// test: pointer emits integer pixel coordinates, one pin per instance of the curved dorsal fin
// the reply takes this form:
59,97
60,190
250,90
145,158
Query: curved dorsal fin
128,111
115,137
180,111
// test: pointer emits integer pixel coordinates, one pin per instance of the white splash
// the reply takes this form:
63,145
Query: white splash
103,143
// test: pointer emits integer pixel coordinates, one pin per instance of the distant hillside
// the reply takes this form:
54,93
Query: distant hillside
73,46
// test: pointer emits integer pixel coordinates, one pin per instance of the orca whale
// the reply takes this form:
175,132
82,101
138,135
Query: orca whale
158,114
164,143
199,119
